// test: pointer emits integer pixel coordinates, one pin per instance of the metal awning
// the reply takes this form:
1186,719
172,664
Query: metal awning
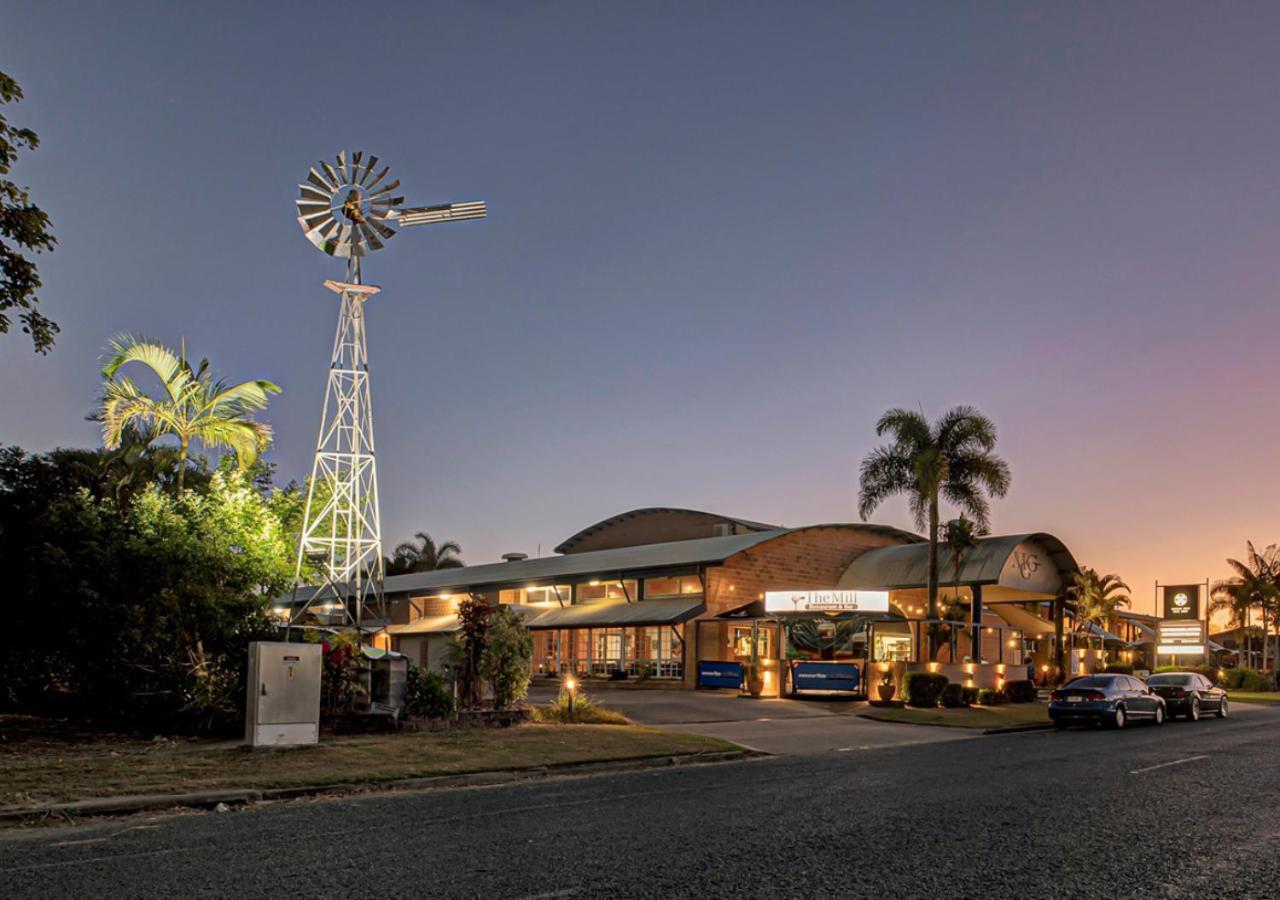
1107,637
428,625
620,614
1027,623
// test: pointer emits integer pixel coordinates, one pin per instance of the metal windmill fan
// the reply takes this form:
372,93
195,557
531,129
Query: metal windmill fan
348,210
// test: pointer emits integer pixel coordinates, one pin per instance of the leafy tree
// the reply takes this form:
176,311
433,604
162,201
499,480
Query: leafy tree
424,555
961,537
194,405
1098,599
1256,584
952,460
138,610
465,654
23,226
507,660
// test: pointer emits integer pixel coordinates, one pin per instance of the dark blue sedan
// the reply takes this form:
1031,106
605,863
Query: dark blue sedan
1114,700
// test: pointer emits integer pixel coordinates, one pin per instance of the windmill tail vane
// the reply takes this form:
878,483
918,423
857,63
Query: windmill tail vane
348,209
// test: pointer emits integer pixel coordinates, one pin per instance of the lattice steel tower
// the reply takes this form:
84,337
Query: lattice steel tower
347,210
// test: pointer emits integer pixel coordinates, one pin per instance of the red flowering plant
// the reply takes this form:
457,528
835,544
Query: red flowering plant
340,679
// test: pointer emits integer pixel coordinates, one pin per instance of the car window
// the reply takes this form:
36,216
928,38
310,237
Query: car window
1135,684
1171,679
1092,681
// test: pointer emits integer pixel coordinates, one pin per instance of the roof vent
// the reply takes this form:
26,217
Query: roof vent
514,557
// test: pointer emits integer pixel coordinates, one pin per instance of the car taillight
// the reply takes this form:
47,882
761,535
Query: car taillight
1178,693
1056,695
1095,695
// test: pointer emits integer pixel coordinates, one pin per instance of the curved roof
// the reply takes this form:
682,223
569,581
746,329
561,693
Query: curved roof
907,566
689,518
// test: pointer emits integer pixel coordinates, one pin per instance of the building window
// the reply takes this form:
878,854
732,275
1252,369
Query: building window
543,594
742,642
669,588
893,647
601,591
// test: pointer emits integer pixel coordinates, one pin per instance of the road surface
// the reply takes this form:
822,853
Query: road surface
1185,810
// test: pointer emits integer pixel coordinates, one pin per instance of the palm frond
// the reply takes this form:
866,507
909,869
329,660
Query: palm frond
168,366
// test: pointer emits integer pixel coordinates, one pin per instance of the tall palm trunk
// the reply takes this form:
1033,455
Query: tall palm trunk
933,573
182,463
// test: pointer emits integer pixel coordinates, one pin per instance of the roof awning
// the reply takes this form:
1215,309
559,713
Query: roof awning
428,625
1107,637
620,614
1027,623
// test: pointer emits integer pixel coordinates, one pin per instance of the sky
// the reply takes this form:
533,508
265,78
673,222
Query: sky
723,238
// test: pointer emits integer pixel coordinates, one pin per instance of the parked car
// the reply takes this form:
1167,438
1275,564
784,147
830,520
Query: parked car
1189,694
1113,700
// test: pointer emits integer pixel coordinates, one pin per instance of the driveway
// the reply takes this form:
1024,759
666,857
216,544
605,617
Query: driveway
771,725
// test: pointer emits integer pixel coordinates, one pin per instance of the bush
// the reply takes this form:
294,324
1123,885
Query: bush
1020,691
1251,681
1119,669
969,695
922,689
990,697
953,695
585,712
506,661
427,695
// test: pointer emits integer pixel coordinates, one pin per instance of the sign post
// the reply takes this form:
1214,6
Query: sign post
1181,631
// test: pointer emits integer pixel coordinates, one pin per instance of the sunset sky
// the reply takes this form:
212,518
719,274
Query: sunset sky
723,238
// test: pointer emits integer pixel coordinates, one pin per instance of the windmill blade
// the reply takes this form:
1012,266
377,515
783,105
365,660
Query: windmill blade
320,181
384,190
315,220
450,212
372,186
368,170
333,175
307,192
342,166
378,226
369,237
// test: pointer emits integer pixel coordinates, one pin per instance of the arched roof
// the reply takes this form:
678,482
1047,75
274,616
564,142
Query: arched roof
656,525
988,563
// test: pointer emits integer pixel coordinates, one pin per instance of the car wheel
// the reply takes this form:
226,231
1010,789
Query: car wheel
1222,709
1193,711
1118,719
1159,717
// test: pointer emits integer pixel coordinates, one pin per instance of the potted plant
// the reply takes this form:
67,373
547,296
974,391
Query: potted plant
886,687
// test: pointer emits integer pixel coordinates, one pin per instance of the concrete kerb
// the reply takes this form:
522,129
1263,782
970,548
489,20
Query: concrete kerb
135,803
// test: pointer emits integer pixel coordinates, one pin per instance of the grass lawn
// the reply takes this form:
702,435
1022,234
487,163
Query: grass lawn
975,717
52,768
1270,697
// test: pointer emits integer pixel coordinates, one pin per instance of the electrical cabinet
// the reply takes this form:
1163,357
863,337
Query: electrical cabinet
283,694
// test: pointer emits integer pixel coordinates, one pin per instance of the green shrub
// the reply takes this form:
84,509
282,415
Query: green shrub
427,695
1119,669
922,689
990,697
969,695
506,661
953,695
585,712
1020,691
1251,681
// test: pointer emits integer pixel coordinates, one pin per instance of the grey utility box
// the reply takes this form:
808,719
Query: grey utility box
283,694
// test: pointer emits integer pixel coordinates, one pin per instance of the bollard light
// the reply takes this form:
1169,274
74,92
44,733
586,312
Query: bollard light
571,685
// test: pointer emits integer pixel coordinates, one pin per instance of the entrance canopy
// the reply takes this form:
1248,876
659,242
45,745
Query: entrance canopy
618,615
1010,568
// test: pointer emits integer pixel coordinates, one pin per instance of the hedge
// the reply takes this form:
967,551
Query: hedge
953,695
1119,669
990,697
923,689
969,695
1020,691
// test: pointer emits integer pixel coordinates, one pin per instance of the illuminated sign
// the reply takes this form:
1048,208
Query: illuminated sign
1180,638
1181,602
826,601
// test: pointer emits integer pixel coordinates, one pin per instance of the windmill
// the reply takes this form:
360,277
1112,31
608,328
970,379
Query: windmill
348,210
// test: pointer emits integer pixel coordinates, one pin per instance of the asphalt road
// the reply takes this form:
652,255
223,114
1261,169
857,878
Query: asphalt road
1186,810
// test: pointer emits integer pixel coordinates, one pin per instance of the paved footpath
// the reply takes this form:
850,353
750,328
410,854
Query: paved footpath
1185,810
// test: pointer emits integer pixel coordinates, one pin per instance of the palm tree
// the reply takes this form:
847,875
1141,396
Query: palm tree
194,406
961,536
1256,583
1098,599
1237,600
951,460
424,556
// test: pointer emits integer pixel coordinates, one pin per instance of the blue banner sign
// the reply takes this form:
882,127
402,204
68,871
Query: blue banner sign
809,676
712,674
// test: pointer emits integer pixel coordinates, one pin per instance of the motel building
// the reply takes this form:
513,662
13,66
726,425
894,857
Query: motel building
676,597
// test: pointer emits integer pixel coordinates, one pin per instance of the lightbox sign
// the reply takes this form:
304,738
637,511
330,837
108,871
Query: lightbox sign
1177,638
1181,602
826,601
811,676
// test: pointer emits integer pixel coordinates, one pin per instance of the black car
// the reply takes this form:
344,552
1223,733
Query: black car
1189,694
1113,700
